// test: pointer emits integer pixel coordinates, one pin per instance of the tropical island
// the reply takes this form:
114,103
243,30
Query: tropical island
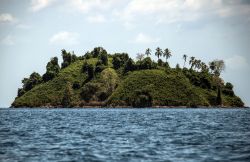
100,79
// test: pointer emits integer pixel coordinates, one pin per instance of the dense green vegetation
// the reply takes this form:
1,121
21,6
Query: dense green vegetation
116,80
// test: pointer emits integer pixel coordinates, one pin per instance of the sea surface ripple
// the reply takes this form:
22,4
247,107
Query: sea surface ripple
125,135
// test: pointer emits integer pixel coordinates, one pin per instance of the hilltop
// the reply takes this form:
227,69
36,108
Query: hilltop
99,79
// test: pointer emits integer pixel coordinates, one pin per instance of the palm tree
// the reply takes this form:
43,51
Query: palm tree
212,66
204,67
158,52
185,59
167,54
191,62
148,52
197,64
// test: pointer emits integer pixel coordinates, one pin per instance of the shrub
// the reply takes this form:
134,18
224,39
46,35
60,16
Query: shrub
84,67
76,85
89,90
142,99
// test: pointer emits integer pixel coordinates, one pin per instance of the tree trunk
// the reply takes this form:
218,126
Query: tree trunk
219,99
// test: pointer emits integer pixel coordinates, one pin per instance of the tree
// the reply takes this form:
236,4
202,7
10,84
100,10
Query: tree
229,86
87,55
76,85
146,63
52,69
158,52
204,68
129,66
177,67
97,51
67,58
142,99
148,52
192,62
67,96
29,83
104,58
167,54
85,67
219,98
212,66
217,66
73,57
110,80
139,56
116,62
99,66
197,64
89,90
20,92
90,71
185,59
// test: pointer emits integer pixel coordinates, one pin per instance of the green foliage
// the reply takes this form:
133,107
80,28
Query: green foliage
85,67
90,71
158,52
76,85
146,63
29,83
228,89
150,80
148,52
87,55
67,58
110,79
217,66
160,62
67,96
129,65
229,86
142,99
20,92
52,69
117,63
98,51
119,60
167,54
121,82
104,58
89,90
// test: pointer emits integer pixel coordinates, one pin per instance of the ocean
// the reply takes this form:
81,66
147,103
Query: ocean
150,134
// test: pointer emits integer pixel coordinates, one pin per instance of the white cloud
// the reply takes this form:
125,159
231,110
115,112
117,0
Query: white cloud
6,17
8,40
96,19
145,39
86,6
37,5
236,62
171,11
64,38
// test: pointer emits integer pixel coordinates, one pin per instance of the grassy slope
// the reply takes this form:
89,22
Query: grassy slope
166,89
172,89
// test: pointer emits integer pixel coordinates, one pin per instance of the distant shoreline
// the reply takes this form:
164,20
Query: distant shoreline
121,107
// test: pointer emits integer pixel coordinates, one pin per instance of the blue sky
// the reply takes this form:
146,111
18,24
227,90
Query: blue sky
33,31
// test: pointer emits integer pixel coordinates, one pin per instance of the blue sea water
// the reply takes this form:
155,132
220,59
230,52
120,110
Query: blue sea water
125,135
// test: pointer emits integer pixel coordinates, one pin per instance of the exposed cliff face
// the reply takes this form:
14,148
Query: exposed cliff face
156,86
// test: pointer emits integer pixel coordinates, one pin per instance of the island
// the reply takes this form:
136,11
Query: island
100,79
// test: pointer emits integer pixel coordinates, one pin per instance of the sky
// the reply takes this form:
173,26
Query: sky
33,31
